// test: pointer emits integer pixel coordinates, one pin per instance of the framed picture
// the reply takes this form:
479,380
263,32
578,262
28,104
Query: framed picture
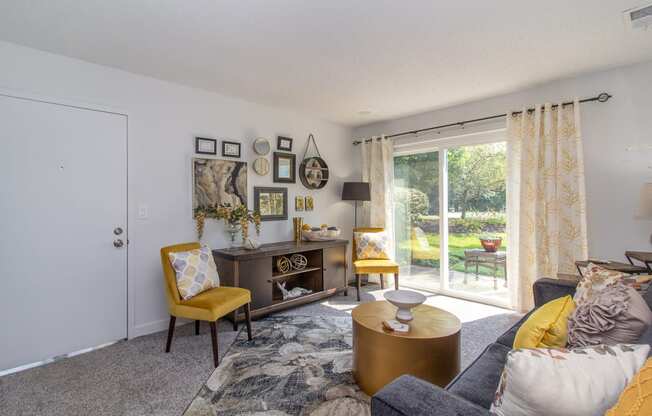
230,149
298,203
310,203
271,203
284,143
204,146
285,167
218,182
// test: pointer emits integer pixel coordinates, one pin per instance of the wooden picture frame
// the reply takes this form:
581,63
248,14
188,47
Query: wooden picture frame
229,149
285,167
284,143
205,146
271,203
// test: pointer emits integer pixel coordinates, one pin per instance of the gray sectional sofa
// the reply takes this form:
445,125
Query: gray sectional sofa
472,391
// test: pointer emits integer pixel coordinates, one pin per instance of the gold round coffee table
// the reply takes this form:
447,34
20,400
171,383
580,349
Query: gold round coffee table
430,351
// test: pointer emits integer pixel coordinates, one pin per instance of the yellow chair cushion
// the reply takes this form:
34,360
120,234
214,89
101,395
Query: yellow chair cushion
636,399
374,266
547,327
212,304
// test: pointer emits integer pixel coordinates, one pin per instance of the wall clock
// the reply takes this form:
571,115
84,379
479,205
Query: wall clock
261,166
313,171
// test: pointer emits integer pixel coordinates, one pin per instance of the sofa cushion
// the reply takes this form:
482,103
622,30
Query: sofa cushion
410,396
478,382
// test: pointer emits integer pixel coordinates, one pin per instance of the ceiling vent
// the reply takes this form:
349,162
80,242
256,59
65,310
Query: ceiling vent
639,18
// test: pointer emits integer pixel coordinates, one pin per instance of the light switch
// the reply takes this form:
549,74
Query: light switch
143,211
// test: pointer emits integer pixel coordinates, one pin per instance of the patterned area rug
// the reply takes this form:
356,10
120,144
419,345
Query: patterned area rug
295,365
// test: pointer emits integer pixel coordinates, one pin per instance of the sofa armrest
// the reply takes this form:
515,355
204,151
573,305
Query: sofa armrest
410,396
546,289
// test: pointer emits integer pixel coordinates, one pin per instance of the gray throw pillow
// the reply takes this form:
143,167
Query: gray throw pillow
616,314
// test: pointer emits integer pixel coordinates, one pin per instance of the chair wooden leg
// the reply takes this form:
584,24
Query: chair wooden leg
247,310
173,320
216,359
196,327
382,281
357,285
235,320
396,280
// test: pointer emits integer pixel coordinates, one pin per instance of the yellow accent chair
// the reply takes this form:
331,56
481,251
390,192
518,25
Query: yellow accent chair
208,306
368,266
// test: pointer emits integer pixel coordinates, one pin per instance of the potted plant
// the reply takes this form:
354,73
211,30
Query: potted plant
491,243
235,218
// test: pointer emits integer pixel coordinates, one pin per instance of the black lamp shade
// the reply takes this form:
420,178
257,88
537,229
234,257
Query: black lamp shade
356,191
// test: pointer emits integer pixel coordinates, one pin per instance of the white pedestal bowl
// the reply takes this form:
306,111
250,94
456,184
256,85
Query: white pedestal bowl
404,300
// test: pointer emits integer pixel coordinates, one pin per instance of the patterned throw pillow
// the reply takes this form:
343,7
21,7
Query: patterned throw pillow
562,382
636,400
595,279
372,245
195,270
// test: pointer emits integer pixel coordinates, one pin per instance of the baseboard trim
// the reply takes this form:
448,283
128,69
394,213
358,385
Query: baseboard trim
155,326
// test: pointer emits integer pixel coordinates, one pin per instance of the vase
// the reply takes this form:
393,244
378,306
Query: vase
233,230
405,301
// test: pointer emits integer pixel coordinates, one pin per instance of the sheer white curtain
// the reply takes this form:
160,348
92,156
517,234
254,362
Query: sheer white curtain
546,197
378,169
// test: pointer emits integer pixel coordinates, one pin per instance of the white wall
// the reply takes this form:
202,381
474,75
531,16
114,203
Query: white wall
617,146
164,118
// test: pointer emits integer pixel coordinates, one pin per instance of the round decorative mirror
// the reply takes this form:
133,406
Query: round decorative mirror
262,146
261,166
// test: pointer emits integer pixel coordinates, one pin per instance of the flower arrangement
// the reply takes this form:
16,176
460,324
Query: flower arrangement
232,216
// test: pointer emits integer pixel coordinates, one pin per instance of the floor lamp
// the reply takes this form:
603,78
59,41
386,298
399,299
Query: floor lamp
356,191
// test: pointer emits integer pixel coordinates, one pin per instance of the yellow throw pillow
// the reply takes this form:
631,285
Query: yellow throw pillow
636,399
547,327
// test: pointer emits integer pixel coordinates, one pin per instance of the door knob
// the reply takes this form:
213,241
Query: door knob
117,231
117,243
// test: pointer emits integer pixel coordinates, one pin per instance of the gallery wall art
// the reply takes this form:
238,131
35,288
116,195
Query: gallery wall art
217,182
271,203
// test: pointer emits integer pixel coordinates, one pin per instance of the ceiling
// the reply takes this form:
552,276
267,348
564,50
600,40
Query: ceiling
351,62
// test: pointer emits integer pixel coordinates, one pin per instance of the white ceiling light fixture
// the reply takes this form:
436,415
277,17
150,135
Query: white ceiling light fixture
639,18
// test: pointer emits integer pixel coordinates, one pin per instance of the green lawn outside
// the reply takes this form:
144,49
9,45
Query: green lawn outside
457,243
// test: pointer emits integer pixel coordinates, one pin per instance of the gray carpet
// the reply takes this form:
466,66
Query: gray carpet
136,377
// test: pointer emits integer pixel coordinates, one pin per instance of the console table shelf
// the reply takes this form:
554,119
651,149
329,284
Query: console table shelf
281,276
325,273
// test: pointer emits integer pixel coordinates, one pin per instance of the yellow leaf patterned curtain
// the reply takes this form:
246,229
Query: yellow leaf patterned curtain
546,197
377,161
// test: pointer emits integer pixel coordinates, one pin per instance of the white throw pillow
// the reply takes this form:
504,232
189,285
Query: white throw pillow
559,382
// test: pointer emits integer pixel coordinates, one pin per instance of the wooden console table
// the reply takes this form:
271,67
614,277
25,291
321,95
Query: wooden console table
324,275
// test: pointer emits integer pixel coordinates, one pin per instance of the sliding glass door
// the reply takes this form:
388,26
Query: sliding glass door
460,190
416,214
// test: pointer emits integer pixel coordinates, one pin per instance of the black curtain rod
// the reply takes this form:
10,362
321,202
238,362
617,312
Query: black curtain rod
602,97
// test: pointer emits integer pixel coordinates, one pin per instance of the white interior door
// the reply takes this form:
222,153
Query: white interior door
63,187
